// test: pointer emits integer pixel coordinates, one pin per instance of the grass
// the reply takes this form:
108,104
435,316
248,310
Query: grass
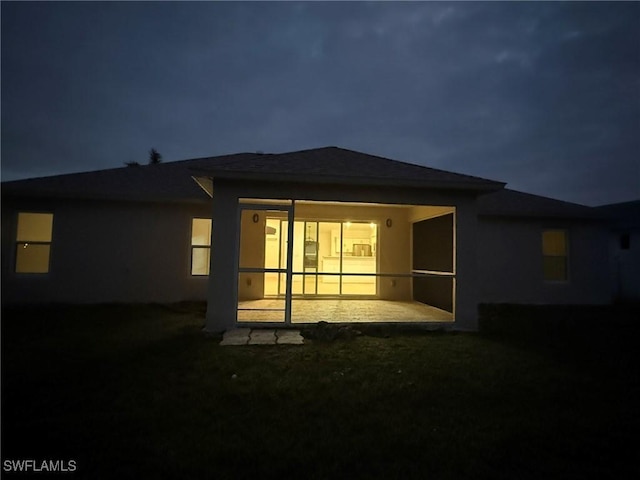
140,392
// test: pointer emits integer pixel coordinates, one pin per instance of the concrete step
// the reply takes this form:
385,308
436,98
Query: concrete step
247,336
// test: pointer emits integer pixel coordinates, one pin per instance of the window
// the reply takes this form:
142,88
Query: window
200,246
33,242
554,251
625,241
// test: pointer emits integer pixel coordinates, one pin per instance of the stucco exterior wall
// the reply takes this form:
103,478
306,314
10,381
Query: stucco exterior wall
510,262
107,252
465,304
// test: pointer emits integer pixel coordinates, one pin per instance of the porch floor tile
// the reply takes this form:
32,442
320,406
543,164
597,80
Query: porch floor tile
342,311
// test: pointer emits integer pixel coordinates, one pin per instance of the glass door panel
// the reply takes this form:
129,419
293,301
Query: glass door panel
327,254
328,284
329,257
359,243
275,256
310,284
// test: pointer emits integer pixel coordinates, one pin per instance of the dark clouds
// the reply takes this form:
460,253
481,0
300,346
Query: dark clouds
544,96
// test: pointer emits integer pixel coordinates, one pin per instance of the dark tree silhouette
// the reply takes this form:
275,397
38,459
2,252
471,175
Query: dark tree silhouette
154,157
132,164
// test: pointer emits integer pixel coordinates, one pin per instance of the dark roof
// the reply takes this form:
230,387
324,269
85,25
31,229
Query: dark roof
511,203
341,166
172,181
625,215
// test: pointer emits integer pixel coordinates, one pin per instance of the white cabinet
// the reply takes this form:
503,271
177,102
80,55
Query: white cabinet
349,265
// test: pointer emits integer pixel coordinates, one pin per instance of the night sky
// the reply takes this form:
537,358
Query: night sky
543,96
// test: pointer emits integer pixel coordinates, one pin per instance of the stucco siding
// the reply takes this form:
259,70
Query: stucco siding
107,252
510,262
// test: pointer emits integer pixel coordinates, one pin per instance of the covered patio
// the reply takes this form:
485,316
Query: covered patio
371,240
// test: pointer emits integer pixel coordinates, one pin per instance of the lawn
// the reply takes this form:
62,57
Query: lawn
141,392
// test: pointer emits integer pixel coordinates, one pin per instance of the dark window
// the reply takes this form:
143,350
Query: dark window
625,241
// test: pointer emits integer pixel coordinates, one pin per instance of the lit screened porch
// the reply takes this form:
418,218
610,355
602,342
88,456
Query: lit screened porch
347,262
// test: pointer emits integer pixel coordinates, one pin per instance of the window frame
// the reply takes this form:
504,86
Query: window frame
21,243
566,256
193,247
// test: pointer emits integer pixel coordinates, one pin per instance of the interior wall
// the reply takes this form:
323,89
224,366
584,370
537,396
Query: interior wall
424,212
252,251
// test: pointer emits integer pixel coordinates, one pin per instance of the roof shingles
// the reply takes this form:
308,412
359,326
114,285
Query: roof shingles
172,181
338,165
511,203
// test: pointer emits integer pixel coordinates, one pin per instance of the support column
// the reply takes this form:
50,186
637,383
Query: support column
466,237
223,267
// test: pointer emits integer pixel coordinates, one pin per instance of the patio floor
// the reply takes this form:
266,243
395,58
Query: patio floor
341,311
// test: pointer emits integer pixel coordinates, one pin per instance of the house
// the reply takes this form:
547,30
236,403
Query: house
293,238
624,245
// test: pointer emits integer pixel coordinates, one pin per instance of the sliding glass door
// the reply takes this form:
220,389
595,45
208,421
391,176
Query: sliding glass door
329,258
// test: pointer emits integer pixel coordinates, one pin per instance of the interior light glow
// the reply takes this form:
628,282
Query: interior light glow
348,224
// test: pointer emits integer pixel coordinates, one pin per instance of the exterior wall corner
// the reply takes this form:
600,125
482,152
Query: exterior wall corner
466,291
223,268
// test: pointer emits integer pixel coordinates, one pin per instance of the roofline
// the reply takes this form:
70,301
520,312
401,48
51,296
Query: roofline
41,196
620,204
358,152
595,217
481,185
587,212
